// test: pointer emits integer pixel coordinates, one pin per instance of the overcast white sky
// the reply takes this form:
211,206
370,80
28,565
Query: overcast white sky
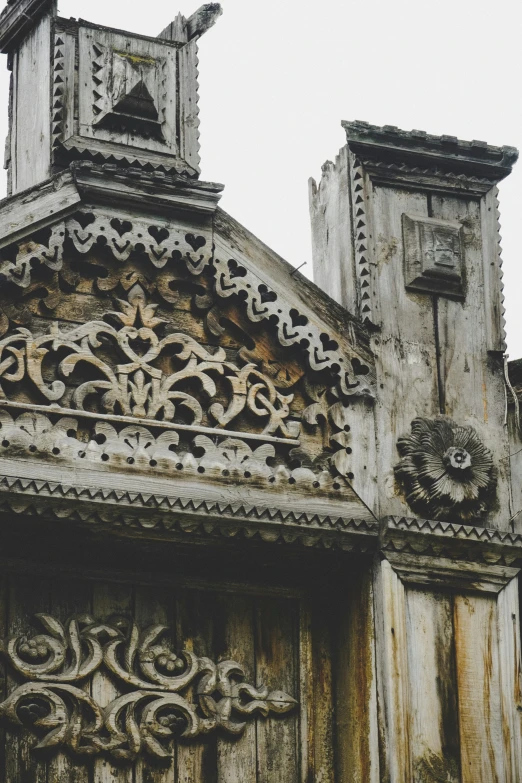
277,77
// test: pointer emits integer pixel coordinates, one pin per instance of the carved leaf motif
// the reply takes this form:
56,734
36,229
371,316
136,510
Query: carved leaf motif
133,385
147,718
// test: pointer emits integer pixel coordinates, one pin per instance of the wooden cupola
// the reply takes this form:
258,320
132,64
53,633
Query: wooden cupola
100,94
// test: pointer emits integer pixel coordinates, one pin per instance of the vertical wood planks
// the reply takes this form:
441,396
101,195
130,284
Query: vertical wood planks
69,598
323,722
277,736
188,103
306,693
332,247
30,154
357,733
3,669
110,600
478,681
405,350
195,615
155,606
27,596
473,381
392,668
433,709
510,694
236,757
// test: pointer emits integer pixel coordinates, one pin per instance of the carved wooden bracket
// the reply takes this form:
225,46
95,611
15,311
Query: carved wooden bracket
155,707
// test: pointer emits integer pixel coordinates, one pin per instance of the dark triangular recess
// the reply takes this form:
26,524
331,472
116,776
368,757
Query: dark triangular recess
135,113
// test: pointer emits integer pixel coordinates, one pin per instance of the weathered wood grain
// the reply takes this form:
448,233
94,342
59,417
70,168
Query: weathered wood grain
69,598
188,97
276,666
433,708
392,675
110,600
306,693
236,757
155,607
357,730
31,150
473,381
323,731
478,682
509,642
26,597
332,246
405,348
4,631
195,618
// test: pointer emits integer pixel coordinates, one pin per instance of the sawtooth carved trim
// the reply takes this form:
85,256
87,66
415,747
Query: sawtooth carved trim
361,248
451,540
58,107
174,515
446,472
155,711
164,245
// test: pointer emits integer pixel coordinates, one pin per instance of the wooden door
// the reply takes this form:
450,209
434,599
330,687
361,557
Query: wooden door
84,667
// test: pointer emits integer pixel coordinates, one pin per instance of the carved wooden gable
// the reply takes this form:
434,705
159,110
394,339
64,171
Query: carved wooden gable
143,352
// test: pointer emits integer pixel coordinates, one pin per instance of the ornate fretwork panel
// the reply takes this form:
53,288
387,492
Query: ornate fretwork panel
127,345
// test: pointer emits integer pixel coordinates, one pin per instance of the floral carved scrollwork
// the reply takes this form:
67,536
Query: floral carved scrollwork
446,471
130,379
148,717
170,253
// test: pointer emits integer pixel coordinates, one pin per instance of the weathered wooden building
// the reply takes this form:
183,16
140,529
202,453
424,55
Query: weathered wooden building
252,529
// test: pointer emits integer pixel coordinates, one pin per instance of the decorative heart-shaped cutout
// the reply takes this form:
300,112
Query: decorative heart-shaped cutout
195,242
159,234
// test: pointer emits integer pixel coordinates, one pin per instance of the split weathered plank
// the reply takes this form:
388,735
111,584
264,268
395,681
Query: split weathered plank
478,682
332,249
195,615
277,668
472,379
392,674
306,693
433,714
155,607
4,632
357,740
509,642
27,596
236,757
42,206
31,153
70,598
110,601
406,345
188,101
323,730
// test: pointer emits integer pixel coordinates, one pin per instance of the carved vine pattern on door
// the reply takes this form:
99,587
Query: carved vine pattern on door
137,387
145,720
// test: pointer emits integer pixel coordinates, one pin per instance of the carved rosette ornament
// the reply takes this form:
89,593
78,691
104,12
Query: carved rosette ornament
164,695
446,472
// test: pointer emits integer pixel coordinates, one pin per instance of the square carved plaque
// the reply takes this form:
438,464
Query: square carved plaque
127,90
433,255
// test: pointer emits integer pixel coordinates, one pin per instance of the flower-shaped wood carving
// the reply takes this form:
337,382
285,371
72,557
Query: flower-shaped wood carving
446,472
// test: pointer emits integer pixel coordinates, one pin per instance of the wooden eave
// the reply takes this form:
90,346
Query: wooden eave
468,158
